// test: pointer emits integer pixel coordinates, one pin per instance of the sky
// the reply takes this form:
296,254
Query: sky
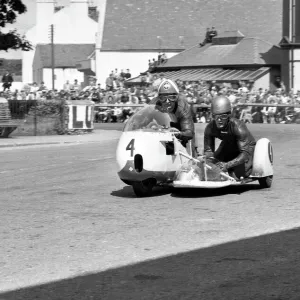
24,22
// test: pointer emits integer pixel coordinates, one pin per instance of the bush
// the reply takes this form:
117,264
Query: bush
47,108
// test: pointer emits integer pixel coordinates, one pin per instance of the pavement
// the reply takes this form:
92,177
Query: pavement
97,136
71,229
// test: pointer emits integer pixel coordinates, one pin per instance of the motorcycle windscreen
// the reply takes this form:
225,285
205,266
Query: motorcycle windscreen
192,171
150,119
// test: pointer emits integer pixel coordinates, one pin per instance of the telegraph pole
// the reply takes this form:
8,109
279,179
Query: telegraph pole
52,56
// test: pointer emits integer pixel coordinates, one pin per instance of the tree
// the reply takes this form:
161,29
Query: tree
8,15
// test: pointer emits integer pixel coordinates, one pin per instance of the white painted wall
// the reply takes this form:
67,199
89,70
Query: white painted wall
72,25
296,76
16,85
297,54
263,82
137,62
44,14
27,57
62,75
296,79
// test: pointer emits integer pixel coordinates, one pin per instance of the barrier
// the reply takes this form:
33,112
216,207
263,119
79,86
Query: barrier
242,111
50,117
204,105
7,126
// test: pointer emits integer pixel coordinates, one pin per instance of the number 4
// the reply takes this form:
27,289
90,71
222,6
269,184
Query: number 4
130,147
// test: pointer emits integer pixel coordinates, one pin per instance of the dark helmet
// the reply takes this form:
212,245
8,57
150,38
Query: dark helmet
220,105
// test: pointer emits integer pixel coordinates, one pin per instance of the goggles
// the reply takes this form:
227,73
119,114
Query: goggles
171,98
223,117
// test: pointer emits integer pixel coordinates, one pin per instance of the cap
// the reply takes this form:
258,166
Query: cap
168,86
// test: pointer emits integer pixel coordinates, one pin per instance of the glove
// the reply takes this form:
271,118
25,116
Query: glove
222,166
174,130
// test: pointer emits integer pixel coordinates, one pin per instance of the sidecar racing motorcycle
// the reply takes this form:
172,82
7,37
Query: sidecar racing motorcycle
149,155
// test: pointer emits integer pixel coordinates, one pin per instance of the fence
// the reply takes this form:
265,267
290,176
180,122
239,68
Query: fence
248,112
36,117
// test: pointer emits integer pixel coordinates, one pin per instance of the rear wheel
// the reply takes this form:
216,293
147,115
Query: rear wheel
265,182
143,188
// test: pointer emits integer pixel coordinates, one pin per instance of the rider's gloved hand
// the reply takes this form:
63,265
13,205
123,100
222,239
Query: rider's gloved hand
222,166
175,131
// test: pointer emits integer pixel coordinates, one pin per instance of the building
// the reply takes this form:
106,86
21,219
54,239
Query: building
74,38
231,57
290,44
131,32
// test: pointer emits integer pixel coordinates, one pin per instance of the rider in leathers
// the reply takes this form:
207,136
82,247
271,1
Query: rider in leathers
170,100
235,153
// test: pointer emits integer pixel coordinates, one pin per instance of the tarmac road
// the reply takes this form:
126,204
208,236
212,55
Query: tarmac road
70,229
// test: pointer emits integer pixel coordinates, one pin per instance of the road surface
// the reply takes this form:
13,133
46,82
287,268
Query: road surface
70,229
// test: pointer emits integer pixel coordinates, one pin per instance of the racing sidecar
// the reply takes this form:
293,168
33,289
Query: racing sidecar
148,154
196,175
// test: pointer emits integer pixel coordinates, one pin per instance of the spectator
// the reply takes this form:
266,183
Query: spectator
7,81
212,34
163,58
76,86
122,74
127,74
125,97
34,88
67,86
42,86
110,82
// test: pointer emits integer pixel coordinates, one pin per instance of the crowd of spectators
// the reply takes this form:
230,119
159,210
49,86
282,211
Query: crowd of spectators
161,59
199,92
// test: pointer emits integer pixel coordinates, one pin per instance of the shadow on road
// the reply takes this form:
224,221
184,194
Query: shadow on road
127,192
264,267
207,193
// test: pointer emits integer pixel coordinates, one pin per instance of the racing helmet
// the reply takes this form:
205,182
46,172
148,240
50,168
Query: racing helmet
220,105
168,86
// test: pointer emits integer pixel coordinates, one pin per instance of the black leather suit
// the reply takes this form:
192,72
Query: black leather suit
236,149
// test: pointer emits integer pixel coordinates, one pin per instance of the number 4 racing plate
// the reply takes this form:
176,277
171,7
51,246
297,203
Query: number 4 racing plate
201,184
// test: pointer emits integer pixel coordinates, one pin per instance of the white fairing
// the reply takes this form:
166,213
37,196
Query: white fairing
150,146
146,134
263,159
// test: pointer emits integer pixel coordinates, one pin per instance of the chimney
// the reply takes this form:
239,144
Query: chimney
80,7
44,12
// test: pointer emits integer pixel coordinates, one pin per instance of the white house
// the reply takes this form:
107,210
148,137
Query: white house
74,38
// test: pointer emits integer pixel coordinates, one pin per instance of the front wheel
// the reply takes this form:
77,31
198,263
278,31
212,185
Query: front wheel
265,182
143,188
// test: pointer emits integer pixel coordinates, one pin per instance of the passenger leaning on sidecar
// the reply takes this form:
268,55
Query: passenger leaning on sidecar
170,100
235,153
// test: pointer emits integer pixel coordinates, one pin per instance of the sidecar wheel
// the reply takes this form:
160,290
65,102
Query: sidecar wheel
143,188
265,182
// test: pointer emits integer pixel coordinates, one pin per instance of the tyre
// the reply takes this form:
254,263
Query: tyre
143,188
265,182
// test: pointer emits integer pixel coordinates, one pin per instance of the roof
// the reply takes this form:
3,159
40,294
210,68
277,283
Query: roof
212,74
133,24
66,55
249,51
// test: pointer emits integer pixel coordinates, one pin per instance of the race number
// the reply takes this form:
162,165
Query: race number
130,147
